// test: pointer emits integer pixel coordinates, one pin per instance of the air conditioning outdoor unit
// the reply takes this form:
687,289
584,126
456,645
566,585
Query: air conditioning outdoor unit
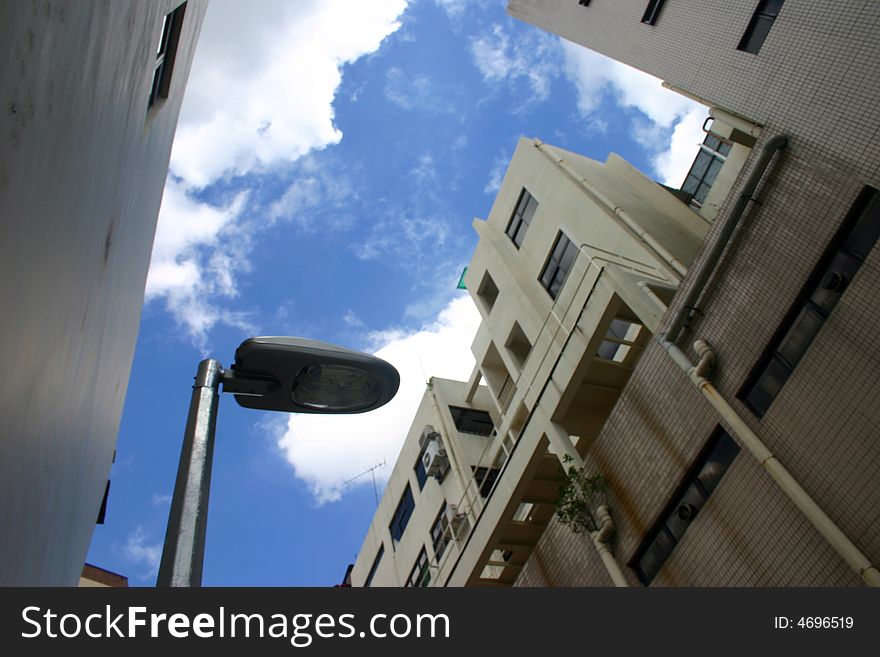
428,434
434,458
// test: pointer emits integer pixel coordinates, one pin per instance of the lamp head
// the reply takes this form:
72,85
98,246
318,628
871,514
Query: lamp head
313,376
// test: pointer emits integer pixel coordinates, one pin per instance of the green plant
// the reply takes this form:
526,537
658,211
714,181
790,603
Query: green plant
579,496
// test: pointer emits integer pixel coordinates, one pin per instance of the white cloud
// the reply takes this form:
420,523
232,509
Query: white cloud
327,450
416,92
139,551
672,121
672,164
197,252
260,94
263,82
496,175
531,59
160,499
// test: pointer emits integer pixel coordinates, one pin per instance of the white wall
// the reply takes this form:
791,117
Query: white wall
82,168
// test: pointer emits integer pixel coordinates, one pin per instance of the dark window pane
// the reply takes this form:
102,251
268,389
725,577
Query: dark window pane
712,172
701,193
712,141
757,32
685,511
795,343
770,7
485,478
402,514
652,11
655,556
724,148
472,420
421,475
767,386
699,483
421,573
701,164
719,460
867,230
835,280
522,217
375,565
691,183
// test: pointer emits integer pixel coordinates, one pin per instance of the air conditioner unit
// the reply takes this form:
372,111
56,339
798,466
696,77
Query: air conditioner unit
428,434
458,521
434,458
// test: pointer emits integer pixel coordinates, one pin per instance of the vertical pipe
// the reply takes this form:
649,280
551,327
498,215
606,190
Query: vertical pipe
184,549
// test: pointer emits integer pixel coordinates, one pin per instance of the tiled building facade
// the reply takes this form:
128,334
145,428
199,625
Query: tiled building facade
814,80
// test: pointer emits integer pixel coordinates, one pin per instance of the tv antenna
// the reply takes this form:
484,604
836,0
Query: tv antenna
372,472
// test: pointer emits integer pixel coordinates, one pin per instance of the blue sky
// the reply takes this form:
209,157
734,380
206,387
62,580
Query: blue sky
330,158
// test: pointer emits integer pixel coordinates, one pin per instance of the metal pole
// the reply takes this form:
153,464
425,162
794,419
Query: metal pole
184,549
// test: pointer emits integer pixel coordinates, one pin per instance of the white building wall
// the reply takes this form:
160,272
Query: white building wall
82,168
457,487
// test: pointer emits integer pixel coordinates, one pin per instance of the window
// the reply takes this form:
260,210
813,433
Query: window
401,514
421,473
485,478
471,420
522,217
584,3
704,170
102,512
620,339
562,257
759,27
421,574
854,240
441,533
652,11
375,565
165,54
687,502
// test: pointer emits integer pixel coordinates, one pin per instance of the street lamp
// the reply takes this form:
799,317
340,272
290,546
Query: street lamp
293,375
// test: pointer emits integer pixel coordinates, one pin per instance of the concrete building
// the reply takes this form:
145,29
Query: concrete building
94,577
91,93
446,468
751,458
790,310
564,232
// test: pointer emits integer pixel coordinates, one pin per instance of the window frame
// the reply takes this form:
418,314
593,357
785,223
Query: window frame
420,575
463,424
485,478
376,561
402,513
441,533
166,53
515,230
720,445
716,154
752,40
652,12
814,297
557,262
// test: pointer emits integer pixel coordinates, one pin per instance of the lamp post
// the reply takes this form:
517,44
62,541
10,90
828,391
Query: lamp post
293,375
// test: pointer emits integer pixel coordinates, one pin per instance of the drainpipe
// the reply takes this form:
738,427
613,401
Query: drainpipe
602,542
818,518
699,376
601,538
706,270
